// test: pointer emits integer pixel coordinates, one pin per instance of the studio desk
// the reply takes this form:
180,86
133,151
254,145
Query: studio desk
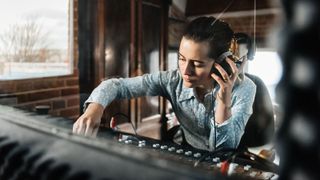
36,146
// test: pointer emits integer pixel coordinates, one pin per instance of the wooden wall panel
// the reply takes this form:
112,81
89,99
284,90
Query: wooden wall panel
150,53
125,38
117,51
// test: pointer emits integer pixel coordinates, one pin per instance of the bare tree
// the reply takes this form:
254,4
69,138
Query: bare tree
25,42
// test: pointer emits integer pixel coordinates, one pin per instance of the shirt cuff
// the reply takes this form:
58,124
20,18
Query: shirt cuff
88,101
226,122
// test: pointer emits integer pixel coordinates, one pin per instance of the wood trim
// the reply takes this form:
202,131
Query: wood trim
99,54
139,37
139,54
133,39
154,3
133,109
163,47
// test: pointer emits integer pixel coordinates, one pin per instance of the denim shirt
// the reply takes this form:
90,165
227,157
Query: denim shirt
195,117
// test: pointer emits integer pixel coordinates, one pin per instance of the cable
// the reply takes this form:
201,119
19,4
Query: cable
124,115
214,124
254,22
247,157
215,142
218,17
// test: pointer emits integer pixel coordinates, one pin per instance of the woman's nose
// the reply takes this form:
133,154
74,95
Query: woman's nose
188,69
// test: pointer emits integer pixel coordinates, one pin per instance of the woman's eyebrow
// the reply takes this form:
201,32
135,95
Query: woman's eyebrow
199,61
181,55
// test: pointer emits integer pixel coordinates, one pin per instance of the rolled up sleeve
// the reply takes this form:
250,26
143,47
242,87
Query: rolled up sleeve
127,88
229,133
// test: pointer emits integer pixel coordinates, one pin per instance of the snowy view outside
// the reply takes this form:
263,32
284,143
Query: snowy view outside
34,39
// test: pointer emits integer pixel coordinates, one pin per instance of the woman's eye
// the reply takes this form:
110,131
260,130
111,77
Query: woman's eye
181,59
197,64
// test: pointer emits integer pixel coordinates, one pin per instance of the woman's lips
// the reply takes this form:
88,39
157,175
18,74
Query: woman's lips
187,78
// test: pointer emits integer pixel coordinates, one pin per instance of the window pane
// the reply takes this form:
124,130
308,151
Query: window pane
34,39
172,59
267,65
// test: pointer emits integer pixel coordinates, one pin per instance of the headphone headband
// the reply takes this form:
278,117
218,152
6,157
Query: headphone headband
223,56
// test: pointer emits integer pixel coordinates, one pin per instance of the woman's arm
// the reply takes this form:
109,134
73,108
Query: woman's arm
226,83
229,133
115,89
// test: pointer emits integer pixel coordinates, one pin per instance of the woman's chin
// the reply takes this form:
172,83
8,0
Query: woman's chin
188,84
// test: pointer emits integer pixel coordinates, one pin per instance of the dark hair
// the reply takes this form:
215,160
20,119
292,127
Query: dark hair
243,38
214,31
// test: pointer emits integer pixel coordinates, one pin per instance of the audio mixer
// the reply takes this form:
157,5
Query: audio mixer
44,147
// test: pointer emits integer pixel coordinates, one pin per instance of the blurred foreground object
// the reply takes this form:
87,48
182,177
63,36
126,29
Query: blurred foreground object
298,91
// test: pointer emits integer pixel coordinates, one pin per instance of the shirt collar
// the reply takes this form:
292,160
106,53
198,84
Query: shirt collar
186,93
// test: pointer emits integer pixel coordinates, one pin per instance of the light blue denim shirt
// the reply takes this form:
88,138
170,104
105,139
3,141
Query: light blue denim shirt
196,118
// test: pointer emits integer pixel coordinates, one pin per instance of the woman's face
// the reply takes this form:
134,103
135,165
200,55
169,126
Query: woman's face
194,63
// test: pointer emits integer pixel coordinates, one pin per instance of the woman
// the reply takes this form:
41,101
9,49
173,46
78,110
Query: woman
212,109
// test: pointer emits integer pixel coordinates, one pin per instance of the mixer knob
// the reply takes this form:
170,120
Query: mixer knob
142,142
171,149
253,174
197,155
179,151
164,147
188,153
216,159
219,164
156,145
128,141
141,145
246,167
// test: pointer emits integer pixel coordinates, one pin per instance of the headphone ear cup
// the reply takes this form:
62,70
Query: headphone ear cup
251,49
233,46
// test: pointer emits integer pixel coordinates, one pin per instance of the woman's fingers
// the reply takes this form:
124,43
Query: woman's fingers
235,70
75,127
85,126
223,73
95,131
91,129
81,128
219,80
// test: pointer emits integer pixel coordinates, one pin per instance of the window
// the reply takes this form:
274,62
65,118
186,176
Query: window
34,39
267,65
172,59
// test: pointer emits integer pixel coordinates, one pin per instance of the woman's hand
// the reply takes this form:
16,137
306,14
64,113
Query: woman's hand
88,123
226,84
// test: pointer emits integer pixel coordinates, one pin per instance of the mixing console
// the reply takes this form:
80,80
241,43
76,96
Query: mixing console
39,145
225,161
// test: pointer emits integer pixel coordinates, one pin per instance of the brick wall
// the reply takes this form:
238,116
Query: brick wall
60,93
266,23
265,26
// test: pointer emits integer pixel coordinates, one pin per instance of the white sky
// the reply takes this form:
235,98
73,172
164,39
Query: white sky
51,14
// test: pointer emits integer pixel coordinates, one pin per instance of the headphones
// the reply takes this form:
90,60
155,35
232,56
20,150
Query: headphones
243,38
